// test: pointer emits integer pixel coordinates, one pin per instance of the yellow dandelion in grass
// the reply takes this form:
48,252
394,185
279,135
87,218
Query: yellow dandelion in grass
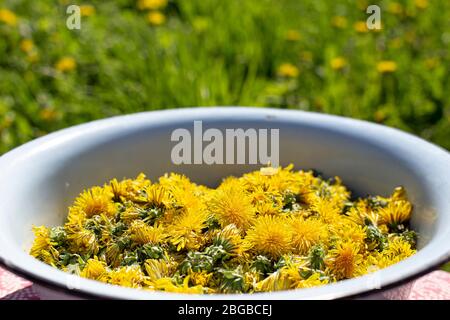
288,70
95,201
386,66
338,63
231,205
129,276
339,22
8,17
395,8
142,233
270,235
94,269
307,233
344,260
48,114
66,64
87,10
151,4
26,45
293,35
395,213
156,18
421,4
360,27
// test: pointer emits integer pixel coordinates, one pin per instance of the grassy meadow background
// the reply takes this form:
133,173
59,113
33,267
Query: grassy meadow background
132,56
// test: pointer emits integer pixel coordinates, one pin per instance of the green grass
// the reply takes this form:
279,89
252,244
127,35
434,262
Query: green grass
215,52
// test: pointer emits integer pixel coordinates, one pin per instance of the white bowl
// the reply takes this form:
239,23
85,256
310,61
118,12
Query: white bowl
40,179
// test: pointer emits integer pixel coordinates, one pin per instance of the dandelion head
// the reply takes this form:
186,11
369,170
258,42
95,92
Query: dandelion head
66,64
95,201
344,260
269,235
8,17
231,205
386,66
94,269
156,18
142,233
307,233
288,70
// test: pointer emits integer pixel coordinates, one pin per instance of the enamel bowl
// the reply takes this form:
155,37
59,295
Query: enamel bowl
40,179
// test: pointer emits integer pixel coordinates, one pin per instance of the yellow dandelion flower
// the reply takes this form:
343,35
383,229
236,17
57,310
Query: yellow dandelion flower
339,22
279,280
87,10
232,235
26,45
151,4
156,18
395,8
399,248
396,251
200,278
142,233
166,284
231,205
386,66
129,276
157,195
307,233
293,35
338,63
288,70
8,17
94,269
84,241
344,260
66,64
159,268
350,231
396,212
421,4
360,27
42,247
327,210
270,235
95,201
313,280
186,229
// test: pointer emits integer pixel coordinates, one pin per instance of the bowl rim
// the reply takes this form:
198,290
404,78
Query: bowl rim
23,264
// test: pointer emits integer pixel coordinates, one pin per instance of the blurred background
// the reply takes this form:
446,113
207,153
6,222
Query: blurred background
136,55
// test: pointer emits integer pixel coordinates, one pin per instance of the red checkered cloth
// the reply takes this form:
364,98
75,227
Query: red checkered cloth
433,286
